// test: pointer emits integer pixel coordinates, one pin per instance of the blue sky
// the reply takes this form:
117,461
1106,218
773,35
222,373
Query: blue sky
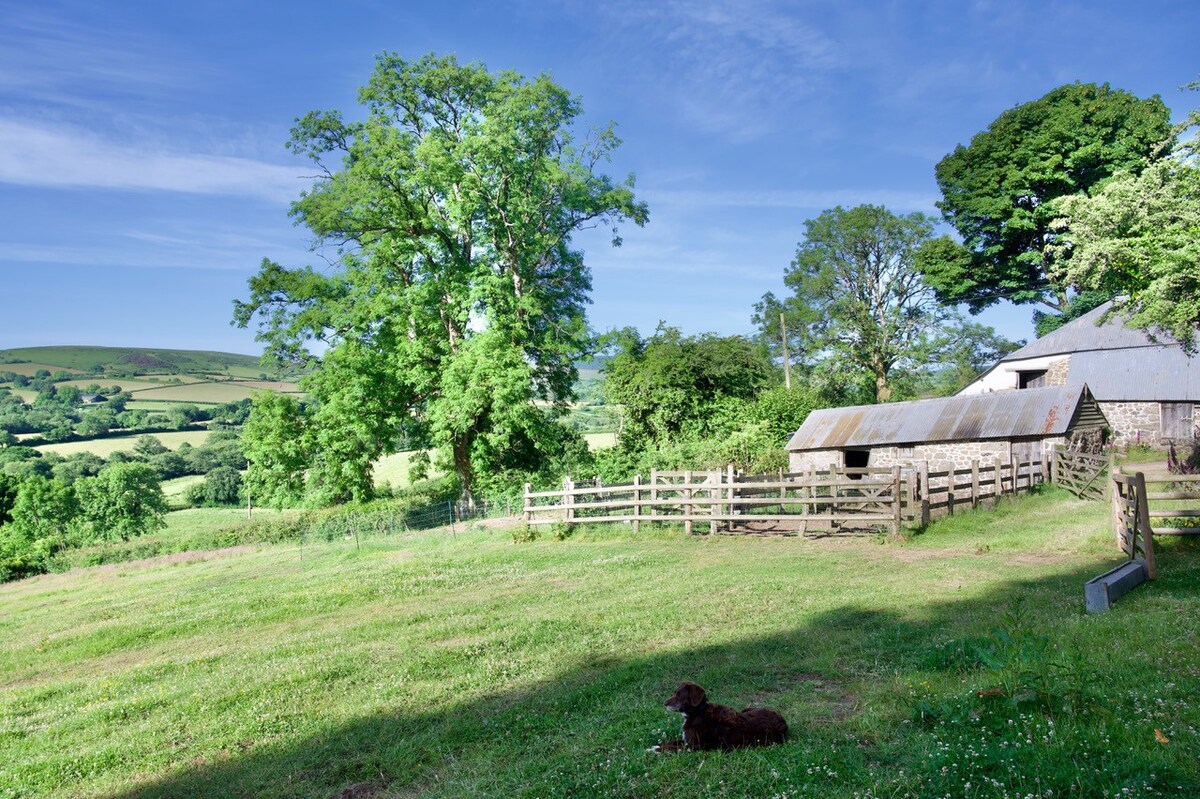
143,173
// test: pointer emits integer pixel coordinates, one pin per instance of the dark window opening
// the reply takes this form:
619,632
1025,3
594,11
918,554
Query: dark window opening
1031,379
857,459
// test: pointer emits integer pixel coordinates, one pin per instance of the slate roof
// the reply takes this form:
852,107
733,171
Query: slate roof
964,417
1116,362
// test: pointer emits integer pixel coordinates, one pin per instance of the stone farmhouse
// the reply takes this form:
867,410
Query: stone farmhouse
1000,425
1147,389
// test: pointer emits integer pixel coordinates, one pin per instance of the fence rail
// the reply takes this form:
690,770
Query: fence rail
836,500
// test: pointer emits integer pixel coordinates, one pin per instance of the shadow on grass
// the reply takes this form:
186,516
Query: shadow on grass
585,732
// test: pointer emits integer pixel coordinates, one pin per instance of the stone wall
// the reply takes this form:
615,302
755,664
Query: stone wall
1133,422
939,456
1057,371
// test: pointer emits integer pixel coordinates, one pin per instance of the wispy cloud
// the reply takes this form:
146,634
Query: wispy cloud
60,58
726,66
37,154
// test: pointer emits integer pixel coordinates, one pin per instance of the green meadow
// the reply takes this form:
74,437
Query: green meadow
107,446
457,663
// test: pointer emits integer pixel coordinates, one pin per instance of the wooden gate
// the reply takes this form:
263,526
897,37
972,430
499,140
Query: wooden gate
1080,472
1131,519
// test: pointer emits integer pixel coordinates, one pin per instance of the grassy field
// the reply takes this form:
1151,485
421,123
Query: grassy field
107,446
458,664
211,393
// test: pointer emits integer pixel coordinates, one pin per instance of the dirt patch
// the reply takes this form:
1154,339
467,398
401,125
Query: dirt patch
362,790
827,701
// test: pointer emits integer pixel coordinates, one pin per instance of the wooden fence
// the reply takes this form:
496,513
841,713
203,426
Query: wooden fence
836,500
1081,473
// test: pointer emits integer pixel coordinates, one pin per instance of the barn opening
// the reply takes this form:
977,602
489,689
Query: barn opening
857,459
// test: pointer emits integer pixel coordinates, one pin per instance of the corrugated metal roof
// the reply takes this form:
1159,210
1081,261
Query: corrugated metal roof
1116,362
1146,374
969,417
1087,333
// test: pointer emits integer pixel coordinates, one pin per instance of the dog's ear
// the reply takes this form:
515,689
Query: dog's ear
694,694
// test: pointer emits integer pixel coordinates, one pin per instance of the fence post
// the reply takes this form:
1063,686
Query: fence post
714,494
654,492
687,508
1047,467
924,475
1118,521
1143,511
975,482
637,503
833,496
951,478
527,508
999,478
569,498
896,501
730,510
910,496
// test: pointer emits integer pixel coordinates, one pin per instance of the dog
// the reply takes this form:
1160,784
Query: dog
708,726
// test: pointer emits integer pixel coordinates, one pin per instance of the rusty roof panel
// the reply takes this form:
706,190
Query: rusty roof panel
968,417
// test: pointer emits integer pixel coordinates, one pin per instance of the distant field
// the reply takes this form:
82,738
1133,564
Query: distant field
129,384
211,393
600,440
393,469
107,446
29,369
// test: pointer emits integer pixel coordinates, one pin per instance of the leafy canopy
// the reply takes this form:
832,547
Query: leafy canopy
671,386
1138,238
855,285
454,308
999,192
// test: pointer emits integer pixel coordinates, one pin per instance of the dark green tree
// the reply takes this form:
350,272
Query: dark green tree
278,447
1000,191
455,311
670,386
124,500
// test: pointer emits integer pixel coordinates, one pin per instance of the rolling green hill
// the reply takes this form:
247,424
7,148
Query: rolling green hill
135,360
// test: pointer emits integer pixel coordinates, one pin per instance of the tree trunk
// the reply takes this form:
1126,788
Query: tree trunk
883,389
462,466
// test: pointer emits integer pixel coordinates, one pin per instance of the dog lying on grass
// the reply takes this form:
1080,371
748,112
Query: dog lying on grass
708,726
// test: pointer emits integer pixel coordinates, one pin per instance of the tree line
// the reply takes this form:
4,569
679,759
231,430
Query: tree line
449,314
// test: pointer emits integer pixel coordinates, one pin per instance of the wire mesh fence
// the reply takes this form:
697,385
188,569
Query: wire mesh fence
359,524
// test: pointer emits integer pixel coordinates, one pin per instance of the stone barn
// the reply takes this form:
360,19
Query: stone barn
1025,425
1147,387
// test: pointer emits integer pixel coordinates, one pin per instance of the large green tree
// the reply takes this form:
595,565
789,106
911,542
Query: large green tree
278,449
671,385
122,501
1138,239
454,308
999,191
868,307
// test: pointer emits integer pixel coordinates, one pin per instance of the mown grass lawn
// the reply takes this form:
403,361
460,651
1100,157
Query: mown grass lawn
460,664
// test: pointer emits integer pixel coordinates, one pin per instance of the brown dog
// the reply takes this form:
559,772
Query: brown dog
707,726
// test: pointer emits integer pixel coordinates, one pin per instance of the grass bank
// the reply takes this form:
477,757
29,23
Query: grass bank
444,664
